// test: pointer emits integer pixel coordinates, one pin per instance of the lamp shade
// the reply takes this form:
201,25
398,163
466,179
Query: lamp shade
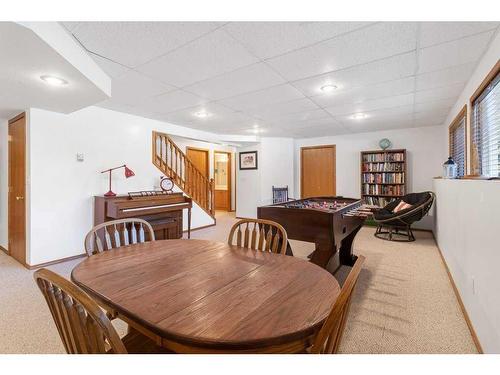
128,172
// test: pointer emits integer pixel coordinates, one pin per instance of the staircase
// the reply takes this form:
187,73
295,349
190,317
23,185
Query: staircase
173,163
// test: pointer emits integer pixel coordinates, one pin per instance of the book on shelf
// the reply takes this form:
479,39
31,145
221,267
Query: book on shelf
384,156
383,176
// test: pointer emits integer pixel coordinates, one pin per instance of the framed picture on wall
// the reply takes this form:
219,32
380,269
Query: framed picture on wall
248,160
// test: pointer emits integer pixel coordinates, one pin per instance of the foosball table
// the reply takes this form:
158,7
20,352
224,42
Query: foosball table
330,222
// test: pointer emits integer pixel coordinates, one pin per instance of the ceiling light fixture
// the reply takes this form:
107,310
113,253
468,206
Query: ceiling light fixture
328,88
53,80
359,116
202,114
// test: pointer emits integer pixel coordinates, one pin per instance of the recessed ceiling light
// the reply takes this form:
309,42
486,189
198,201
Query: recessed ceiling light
328,88
359,116
202,114
53,80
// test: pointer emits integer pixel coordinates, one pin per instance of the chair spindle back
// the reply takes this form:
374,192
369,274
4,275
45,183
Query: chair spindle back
258,234
327,341
82,325
117,233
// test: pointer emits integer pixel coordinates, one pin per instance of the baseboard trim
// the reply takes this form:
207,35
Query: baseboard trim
203,227
4,250
477,343
52,262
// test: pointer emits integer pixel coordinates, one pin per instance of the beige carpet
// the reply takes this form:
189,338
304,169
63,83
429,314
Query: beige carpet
403,303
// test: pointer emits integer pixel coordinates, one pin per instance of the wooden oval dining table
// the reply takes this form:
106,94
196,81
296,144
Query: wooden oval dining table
198,296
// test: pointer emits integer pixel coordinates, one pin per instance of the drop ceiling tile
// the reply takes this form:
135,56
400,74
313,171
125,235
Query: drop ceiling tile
362,94
111,68
209,56
132,88
446,92
310,123
298,117
135,43
268,96
171,101
458,52
387,114
389,69
250,78
280,109
439,32
359,47
286,36
372,105
434,115
120,107
220,117
445,77
435,104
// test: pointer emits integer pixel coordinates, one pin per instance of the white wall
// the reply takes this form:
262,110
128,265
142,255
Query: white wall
4,177
61,189
467,234
275,167
426,152
467,228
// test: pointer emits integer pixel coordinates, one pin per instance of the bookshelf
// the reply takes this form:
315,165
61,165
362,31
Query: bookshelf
383,176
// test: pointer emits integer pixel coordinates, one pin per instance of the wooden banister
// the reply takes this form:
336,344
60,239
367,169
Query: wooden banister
174,163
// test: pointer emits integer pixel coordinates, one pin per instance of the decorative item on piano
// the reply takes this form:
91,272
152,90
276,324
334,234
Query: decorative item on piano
167,184
128,173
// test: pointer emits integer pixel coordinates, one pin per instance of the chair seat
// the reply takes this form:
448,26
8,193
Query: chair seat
136,343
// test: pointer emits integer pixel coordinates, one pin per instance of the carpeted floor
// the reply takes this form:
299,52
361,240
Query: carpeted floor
403,303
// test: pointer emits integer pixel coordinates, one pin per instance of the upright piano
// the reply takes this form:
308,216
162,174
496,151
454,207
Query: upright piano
330,222
163,212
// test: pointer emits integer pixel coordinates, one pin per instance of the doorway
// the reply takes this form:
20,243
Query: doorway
199,157
222,178
17,188
317,171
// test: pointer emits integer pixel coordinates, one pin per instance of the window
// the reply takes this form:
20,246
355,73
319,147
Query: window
457,136
485,126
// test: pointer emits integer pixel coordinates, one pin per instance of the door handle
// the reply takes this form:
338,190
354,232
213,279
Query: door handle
19,198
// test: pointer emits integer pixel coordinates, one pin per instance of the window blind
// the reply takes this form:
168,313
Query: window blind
457,145
485,130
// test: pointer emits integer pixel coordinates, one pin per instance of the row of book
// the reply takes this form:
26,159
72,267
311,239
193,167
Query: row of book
384,178
377,201
383,167
384,189
393,156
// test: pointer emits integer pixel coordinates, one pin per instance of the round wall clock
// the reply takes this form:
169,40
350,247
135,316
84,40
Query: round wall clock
384,143
167,184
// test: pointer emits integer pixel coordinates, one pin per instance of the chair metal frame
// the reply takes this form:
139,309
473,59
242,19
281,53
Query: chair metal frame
400,224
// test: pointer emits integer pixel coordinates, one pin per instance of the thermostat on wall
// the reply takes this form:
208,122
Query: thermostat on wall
79,157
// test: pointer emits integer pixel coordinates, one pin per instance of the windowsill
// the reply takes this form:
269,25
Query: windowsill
470,178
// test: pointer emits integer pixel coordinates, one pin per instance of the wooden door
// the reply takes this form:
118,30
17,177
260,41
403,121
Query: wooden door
17,188
222,179
199,157
317,171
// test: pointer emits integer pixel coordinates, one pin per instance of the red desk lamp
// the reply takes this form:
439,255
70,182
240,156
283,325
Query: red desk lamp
128,173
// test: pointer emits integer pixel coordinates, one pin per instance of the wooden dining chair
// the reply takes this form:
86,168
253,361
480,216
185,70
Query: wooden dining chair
259,234
82,325
327,340
117,233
